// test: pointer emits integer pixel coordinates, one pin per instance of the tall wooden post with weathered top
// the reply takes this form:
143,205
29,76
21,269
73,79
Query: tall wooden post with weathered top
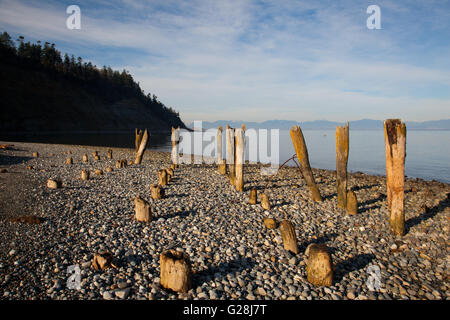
342,146
141,149
230,152
395,143
240,149
303,159
175,140
221,163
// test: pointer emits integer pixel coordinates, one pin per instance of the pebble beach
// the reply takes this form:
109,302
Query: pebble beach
233,254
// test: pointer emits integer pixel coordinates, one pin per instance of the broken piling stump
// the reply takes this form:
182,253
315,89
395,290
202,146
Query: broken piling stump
265,203
102,261
109,169
352,203
69,161
84,175
35,154
302,156
319,267
162,177
395,145
342,148
270,223
142,210
54,184
98,172
85,158
176,273
157,191
253,196
109,154
288,235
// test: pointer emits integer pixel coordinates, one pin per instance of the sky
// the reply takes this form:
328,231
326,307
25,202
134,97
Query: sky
261,60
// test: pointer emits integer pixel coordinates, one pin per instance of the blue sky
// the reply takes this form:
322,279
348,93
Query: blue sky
261,60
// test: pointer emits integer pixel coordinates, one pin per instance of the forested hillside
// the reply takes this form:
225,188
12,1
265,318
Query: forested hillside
43,91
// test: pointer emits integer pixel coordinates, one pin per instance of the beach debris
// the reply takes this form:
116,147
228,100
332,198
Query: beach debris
265,203
253,198
102,261
270,223
157,191
142,210
54,184
395,145
288,235
302,155
84,175
319,267
342,147
176,273
352,203
27,219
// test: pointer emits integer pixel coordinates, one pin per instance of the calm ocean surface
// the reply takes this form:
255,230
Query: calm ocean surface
427,152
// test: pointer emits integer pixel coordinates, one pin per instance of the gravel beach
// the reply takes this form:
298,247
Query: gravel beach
233,255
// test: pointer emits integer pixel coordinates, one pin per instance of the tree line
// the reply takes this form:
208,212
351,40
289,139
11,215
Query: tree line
113,85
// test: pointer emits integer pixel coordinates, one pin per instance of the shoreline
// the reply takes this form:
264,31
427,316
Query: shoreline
234,256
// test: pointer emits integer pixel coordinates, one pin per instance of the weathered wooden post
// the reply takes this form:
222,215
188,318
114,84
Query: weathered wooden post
265,203
395,144
69,161
319,267
141,149
240,149
352,203
230,152
102,261
342,147
176,273
85,158
54,184
109,154
222,167
35,154
142,210
302,156
162,177
253,196
157,191
84,175
138,138
288,235
175,141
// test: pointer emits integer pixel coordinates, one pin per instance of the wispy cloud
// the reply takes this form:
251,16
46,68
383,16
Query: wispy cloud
259,60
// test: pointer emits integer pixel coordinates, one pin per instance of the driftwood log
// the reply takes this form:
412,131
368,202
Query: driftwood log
303,158
141,149
142,210
395,144
288,235
176,273
342,148
319,267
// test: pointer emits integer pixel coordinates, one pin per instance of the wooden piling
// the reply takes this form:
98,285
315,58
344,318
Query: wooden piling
175,140
162,177
302,156
142,210
342,148
175,271
319,267
395,145
253,196
288,235
220,161
230,152
138,138
141,149
239,169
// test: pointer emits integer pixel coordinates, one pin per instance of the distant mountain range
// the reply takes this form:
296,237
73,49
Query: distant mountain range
364,124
